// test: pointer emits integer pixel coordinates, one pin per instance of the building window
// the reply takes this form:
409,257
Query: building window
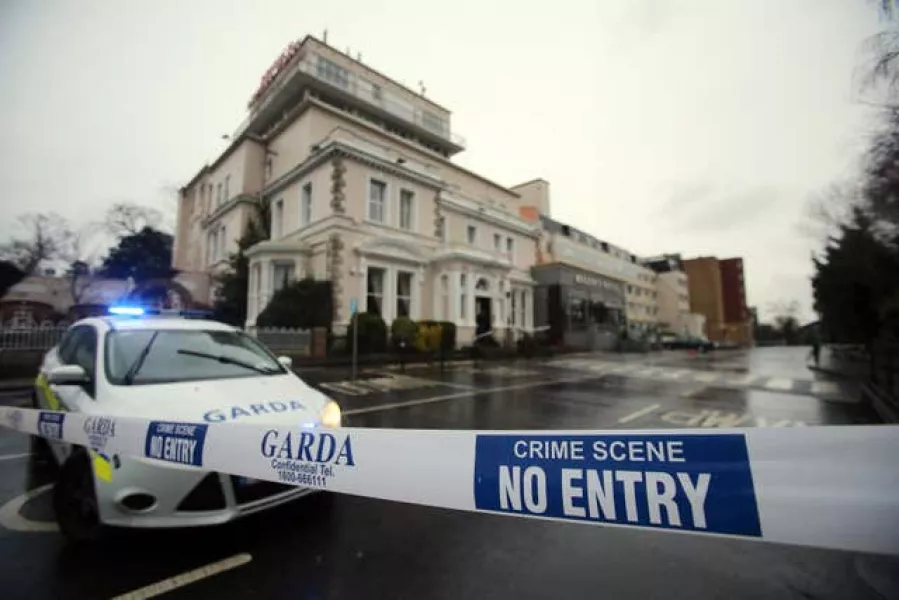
444,298
472,234
268,168
306,205
374,293
513,309
282,275
463,287
577,313
218,195
227,193
522,308
432,122
510,246
497,242
333,73
211,246
403,294
376,92
278,219
377,191
222,243
406,199
441,227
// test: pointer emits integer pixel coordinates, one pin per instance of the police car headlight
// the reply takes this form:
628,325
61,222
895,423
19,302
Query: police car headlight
330,415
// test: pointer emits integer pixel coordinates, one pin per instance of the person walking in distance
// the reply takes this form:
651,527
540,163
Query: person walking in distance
816,349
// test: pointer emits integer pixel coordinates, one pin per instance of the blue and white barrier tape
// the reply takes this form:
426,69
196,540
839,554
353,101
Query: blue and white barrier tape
830,487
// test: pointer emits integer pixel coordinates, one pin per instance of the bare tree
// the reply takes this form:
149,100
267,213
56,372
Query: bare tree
83,257
826,211
125,219
40,238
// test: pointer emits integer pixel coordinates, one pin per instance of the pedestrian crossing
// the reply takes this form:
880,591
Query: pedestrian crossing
822,389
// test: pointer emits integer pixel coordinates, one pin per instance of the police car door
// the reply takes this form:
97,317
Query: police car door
81,350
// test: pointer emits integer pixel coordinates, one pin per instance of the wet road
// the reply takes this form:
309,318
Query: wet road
347,547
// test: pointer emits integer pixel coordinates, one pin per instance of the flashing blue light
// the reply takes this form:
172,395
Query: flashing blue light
130,311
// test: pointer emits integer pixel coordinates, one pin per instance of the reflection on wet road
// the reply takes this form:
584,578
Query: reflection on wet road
347,547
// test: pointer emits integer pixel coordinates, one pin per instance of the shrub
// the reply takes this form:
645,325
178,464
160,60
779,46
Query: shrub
429,338
447,333
303,304
402,329
372,335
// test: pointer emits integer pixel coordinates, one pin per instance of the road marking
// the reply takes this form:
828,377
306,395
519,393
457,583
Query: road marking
742,380
173,583
705,377
640,413
825,388
364,387
465,394
14,456
779,384
674,373
11,519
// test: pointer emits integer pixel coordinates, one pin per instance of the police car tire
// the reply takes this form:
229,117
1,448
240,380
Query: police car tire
77,522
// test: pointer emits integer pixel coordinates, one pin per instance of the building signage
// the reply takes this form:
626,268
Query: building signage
588,280
273,71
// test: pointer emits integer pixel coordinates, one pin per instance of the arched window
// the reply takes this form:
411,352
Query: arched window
482,285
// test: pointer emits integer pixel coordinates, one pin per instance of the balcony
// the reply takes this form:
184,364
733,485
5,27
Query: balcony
310,71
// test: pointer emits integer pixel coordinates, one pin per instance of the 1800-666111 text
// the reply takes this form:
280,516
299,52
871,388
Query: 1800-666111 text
306,458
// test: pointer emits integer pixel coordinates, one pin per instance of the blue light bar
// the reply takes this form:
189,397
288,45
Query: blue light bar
129,311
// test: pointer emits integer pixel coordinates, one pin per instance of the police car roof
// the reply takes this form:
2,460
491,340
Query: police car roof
170,323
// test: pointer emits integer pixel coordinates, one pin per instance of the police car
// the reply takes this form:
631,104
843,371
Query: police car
137,362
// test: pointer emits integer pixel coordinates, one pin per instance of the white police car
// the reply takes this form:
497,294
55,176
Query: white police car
133,363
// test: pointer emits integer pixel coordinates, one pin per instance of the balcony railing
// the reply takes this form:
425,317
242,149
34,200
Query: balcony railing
357,87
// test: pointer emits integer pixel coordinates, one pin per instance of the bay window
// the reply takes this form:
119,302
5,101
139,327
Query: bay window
403,294
374,293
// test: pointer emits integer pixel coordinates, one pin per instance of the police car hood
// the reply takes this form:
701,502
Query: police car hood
268,398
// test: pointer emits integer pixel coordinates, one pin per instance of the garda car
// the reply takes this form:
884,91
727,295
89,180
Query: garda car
163,367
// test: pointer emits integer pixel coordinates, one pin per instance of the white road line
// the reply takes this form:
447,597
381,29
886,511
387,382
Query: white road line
14,456
639,413
742,380
472,392
825,388
779,384
705,377
12,520
173,583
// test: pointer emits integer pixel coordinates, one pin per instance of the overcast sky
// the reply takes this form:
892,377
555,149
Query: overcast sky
702,127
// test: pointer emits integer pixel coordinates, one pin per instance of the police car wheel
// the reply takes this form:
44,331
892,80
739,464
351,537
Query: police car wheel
75,500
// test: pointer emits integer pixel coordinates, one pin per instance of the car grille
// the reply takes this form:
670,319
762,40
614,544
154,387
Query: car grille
206,495
258,490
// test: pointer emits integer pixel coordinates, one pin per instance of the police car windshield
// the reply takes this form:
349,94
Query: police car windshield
180,355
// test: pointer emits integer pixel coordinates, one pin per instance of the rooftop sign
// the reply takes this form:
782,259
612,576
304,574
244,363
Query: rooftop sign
273,71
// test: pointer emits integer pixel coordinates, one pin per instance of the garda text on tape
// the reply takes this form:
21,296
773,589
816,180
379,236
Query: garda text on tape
692,482
831,487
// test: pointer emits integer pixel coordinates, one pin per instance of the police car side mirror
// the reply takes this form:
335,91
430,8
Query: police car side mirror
67,375
285,361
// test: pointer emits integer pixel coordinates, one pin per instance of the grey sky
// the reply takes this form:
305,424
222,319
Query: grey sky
694,126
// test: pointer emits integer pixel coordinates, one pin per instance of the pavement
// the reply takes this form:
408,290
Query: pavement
337,546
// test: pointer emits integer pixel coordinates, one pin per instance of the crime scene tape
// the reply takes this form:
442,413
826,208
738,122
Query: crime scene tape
830,487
